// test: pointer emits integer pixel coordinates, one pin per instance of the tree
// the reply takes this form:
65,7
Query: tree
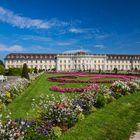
14,72
1,63
136,69
35,70
115,70
2,70
25,72
100,70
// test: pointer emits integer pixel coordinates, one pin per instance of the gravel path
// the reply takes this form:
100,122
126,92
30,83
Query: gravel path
136,135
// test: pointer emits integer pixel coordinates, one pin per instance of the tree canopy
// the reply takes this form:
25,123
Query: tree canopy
25,71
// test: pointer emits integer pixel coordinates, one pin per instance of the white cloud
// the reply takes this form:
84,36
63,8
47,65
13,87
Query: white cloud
76,30
10,17
99,46
75,51
13,48
101,36
64,43
35,38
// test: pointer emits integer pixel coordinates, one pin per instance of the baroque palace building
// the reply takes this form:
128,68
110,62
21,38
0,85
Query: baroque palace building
74,61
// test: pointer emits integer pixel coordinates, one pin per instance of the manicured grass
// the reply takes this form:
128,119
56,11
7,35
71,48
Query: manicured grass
109,78
74,85
83,78
116,121
21,106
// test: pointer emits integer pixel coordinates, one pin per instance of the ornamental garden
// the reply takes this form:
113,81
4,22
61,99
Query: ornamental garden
51,105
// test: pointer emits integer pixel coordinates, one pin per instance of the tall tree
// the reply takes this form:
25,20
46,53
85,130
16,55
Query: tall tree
115,70
35,70
25,71
2,69
1,63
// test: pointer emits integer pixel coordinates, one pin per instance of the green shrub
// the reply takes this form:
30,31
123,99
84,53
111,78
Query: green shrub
25,71
108,98
115,70
1,63
30,70
2,69
100,71
101,101
40,70
13,72
35,70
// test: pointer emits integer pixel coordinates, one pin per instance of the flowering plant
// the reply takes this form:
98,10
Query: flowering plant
120,88
132,85
10,90
13,129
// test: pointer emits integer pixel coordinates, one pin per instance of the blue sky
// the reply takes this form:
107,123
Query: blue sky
57,26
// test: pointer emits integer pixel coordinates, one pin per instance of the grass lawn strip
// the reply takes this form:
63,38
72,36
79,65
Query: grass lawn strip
22,105
114,122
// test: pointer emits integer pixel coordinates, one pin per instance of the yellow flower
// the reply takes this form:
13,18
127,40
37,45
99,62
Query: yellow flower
8,94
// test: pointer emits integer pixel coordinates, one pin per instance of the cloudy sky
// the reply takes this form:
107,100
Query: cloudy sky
57,26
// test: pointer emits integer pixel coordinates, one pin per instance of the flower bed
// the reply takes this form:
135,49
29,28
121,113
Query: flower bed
58,115
95,78
63,90
63,114
64,79
11,90
96,75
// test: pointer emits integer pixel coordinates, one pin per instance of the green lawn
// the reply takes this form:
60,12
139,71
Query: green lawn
83,78
71,85
21,106
114,122
109,78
